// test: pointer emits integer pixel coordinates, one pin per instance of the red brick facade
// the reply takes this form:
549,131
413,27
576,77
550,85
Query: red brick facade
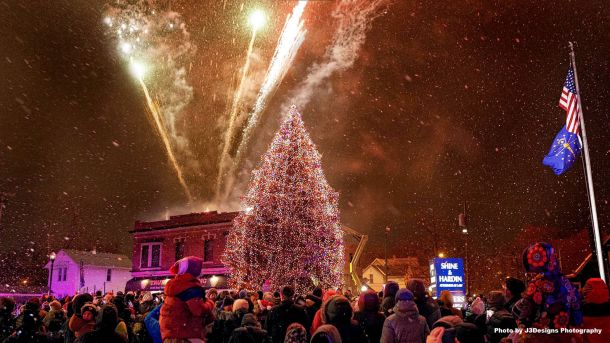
158,244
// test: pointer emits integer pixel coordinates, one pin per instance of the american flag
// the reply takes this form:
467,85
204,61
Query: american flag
569,102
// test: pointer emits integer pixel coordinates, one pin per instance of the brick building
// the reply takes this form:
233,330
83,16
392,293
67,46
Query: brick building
157,245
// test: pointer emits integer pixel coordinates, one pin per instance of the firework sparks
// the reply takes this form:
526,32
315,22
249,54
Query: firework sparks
257,20
289,42
144,35
155,114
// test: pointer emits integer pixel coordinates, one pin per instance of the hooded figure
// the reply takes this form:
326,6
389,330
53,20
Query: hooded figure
389,295
369,316
284,314
513,288
7,320
296,333
250,331
326,334
426,306
186,311
337,311
317,319
405,325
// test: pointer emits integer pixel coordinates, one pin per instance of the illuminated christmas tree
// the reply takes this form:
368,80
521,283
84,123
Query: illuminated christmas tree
289,232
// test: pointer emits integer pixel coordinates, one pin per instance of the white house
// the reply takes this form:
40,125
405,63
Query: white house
400,269
76,271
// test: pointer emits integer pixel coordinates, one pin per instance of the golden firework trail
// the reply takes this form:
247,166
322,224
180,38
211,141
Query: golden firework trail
157,118
233,114
288,44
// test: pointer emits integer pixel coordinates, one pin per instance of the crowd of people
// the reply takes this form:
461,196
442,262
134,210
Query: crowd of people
186,312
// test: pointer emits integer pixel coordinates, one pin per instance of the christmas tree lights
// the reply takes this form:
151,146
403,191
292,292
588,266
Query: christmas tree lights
290,233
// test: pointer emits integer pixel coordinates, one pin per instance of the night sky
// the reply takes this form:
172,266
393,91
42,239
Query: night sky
446,103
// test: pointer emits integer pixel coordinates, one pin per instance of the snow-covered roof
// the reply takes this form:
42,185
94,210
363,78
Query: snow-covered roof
97,259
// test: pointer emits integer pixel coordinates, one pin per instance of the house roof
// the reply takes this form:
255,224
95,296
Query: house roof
98,259
397,266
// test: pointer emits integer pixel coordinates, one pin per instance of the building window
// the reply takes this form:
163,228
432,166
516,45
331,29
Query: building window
179,248
150,255
65,273
59,271
208,250
109,275
371,280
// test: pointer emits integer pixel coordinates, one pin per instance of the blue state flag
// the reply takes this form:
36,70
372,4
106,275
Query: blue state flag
564,151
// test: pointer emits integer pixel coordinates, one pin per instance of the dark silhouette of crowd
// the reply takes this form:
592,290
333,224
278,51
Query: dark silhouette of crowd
187,312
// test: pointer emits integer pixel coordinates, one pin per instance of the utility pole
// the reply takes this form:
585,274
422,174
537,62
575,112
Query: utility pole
387,231
462,224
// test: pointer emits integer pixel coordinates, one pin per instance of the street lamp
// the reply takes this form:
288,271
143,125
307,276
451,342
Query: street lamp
441,255
462,224
52,256
387,231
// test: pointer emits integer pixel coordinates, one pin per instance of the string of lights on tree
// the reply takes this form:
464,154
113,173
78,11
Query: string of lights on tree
289,232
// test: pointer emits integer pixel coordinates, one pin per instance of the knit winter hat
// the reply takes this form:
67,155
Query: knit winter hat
496,300
326,334
295,334
240,304
147,296
595,291
390,289
418,288
404,295
478,306
55,305
188,265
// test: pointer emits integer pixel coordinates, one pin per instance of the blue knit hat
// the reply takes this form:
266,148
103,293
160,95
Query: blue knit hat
404,294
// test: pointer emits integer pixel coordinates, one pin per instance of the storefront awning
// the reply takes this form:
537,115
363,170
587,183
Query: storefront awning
157,283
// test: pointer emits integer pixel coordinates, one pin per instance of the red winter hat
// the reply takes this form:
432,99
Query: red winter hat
595,291
190,264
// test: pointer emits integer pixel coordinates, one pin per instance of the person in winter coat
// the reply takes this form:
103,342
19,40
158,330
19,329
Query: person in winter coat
317,318
296,333
85,322
29,330
596,310
76,321
228,321
327,334
369,316
250,331
389,294
105,328
406,325
7,320
446,305
426,306
55,317
313,302
284,314
500,319
185,312
151,321
337,311
513,288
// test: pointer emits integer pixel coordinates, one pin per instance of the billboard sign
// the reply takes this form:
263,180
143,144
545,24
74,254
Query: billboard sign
447,274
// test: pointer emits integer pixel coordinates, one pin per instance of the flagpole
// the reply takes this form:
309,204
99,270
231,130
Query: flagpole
589,176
